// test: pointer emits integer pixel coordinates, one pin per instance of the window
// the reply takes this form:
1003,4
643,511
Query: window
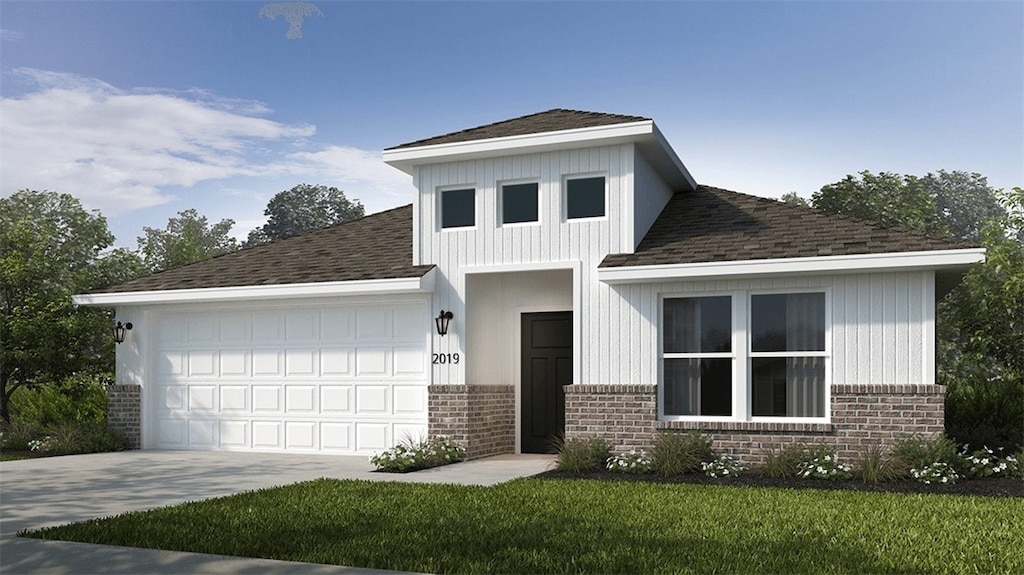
584,198
779,372
519,203
698,356
458,208
787,380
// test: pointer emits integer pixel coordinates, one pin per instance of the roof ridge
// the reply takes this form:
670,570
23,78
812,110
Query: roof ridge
484,127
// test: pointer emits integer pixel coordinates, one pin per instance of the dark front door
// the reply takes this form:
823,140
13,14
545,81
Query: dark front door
547,366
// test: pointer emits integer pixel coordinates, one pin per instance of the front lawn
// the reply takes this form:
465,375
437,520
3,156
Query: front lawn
584,526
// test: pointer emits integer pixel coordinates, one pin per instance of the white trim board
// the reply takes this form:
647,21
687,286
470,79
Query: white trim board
890,262
422,284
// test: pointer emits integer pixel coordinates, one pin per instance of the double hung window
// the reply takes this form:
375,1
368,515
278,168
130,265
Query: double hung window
744,356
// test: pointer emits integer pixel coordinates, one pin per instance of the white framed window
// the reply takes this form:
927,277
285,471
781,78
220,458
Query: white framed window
520,202
745,356
585,196
458,208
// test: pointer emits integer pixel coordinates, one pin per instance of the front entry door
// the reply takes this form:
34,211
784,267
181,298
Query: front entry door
546,367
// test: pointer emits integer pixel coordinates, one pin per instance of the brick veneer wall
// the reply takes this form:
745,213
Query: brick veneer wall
124,412
862,415
480,417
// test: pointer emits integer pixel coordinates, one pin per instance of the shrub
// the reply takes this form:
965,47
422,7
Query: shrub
986,463
676,454
18,434
73,437
415,454
784,461
723,466
582,454
80,397
917,452
935,473
823,464
875,465
630,462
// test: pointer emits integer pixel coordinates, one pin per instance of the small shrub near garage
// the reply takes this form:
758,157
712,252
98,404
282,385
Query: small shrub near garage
415,454
679,453
577,455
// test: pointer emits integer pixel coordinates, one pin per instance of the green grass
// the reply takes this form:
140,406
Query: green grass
582,526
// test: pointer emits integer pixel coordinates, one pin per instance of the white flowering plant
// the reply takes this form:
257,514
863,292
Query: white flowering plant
823,464
40,445
632,461
415,454
937,473
987,463
722,466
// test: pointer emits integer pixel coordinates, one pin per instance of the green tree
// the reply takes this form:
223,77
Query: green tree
794,199
964,201
888,199
304,208
49,249
188,238
981,334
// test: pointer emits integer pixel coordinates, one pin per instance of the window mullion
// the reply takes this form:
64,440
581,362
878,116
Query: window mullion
741,364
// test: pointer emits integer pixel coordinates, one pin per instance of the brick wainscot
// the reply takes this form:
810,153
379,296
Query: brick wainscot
480,417
862,416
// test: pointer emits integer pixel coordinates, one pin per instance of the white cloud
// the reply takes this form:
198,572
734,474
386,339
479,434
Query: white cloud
8,35
361,174
122,150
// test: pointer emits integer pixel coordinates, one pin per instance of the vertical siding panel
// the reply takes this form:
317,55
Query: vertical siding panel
876,354
863,329
838,332
915,336
853,326
902,328
889,328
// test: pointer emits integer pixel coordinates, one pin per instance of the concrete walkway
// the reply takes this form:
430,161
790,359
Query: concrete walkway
37,493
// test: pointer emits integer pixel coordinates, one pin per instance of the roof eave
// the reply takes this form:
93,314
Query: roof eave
956,259
644,133
391,286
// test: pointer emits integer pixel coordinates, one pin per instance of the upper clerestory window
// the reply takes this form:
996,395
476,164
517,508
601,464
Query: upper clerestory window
519,203
458,208
584,198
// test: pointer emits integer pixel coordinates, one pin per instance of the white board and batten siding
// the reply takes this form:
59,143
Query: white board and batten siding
881,325
335,378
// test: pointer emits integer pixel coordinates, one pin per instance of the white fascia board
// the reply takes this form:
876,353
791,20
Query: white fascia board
522,267
422,284
667,162
890,262
405,158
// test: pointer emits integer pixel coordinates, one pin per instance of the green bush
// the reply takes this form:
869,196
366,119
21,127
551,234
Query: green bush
875,465
821,463
81,397
784,461
18,434
679,453
72,437
582,454
986,411
415,454
918,452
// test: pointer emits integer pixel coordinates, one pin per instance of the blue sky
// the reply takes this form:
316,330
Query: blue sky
143,109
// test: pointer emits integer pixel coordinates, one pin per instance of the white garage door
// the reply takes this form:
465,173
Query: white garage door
343,379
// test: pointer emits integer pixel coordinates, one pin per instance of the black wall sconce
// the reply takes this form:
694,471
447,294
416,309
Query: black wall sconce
120,330
442,320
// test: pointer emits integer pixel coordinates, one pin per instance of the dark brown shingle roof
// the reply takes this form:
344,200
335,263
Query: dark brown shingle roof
378,246
712,224
539,123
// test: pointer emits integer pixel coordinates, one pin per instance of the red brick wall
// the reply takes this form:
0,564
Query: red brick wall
480,417
862,415
124,412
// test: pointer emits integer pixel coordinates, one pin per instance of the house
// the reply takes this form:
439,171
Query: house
590,287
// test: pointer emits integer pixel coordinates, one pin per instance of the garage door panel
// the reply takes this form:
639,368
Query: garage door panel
267,362
300,362
336,399
267,434
234,434
234,398
235,363
300,399
335,436
371,362
266,398
409,432
345,379
336,362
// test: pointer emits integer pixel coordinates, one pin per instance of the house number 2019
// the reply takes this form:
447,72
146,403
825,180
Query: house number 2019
442,358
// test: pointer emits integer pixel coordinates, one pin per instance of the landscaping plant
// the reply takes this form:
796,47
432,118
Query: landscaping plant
823,464
415,454
783,461
632,461
679,453
722,466
875,465
582,454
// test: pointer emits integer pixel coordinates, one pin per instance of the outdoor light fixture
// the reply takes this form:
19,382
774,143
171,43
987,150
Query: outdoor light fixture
442,320
120,330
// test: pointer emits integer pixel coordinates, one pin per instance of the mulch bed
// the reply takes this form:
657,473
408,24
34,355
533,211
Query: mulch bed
997,487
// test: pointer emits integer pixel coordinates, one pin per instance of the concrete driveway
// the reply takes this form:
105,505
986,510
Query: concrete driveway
38,493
